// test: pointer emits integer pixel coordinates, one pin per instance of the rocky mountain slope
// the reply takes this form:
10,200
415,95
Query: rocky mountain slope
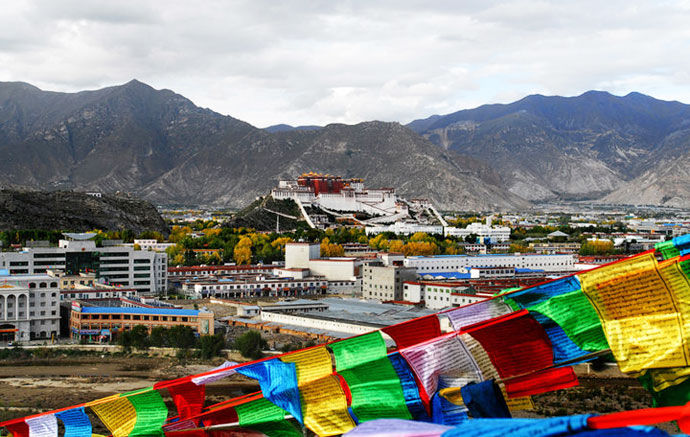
160,146
76,212
569,148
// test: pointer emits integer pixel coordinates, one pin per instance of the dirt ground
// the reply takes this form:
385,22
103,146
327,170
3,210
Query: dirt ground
32,386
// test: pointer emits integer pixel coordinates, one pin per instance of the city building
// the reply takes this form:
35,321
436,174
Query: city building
481,230
452,263
122,266
440,295
385,282
255,287
404,228
105,319
29,307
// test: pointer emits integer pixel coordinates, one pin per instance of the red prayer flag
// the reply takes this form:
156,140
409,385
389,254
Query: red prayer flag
188,398
19,429
518,346
414,331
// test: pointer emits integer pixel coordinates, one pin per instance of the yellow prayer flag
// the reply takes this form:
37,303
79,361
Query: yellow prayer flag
324,407
119,416
638,312
311,364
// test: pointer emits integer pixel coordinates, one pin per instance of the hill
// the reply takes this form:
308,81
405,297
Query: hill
76,212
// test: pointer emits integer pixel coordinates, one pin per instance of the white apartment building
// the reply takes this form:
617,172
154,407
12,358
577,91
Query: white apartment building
440,295
29,307
453,263
481,230
403,228
121,266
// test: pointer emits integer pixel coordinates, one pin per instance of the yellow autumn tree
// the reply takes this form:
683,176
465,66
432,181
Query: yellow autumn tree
396,246
242,254
416,248
329,249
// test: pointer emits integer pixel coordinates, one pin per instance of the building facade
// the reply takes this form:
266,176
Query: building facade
453,263
89,320
29,307
121,266
385,282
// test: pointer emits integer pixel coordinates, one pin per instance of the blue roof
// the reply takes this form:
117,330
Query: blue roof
527,270
448,275
153,311
4,272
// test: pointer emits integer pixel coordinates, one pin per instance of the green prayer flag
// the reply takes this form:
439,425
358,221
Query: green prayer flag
282,428
358,350
375,386
376,391
577,317
668,249
675,395
259,411
151,413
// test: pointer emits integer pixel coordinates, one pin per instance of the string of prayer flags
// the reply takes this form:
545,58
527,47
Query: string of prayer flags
411,392
517,345
476,312
442,355
324,404
485,400
278,381
76,422
556,426
639,313
375,387
43,426
414,331
188,398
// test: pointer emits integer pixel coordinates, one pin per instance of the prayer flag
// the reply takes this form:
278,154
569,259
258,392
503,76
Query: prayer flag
414,331
43,426
430,359
77,423
278,381
477,312
518,345
188,398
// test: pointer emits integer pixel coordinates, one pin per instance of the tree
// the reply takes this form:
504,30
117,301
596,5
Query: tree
181,337
159,337
140,337
251,344
211,345
124,339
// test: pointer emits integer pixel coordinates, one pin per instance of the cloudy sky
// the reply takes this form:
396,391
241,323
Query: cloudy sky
315,62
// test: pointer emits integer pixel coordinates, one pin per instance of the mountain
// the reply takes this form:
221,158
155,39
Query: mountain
286,128
79,212
583,147
161,147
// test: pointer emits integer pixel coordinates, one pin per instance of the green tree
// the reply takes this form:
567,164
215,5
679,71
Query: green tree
124,339
159,337
211,345
140,337
251,344
181,337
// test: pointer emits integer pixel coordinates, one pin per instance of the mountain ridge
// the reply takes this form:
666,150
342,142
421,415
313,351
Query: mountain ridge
158,145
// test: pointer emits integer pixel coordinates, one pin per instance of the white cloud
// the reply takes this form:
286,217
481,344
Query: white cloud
315,62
